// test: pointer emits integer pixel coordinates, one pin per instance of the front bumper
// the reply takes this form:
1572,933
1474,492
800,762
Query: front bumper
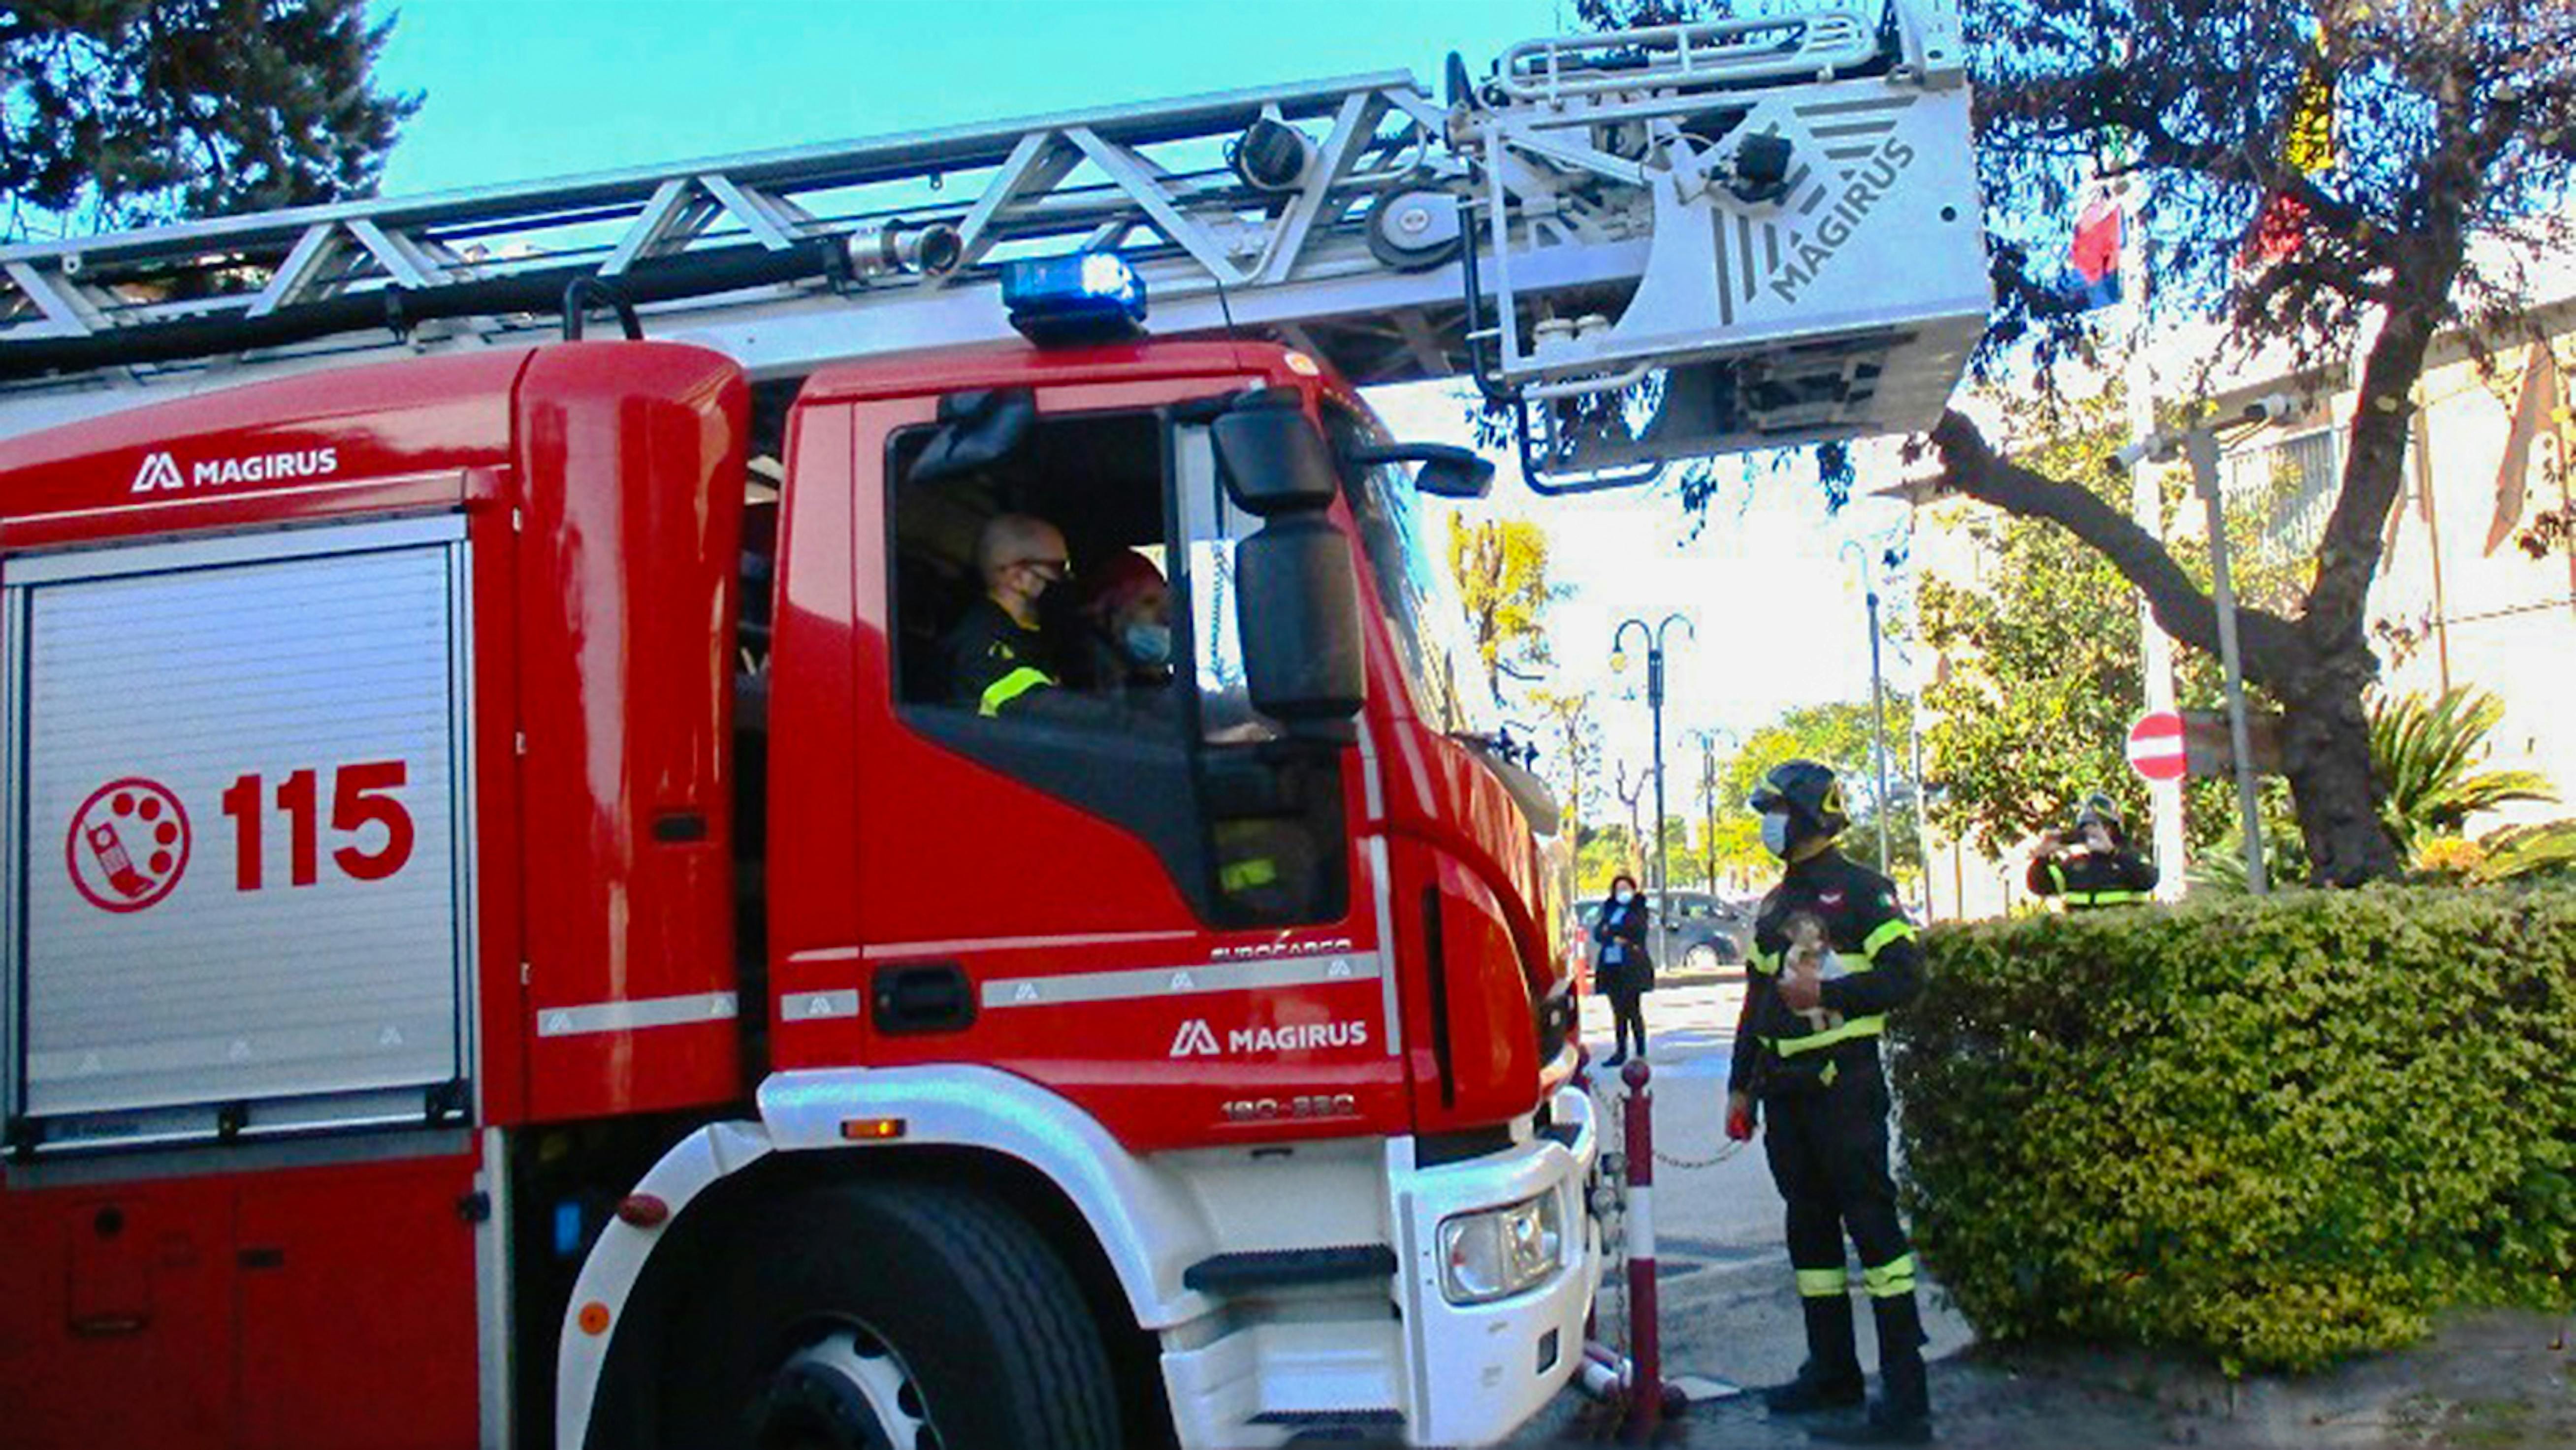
1333,1359
1479,1371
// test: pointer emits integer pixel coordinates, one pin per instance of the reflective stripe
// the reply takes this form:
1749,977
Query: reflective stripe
1245,875
817,1006
2057,877
2087,900
1010,687
1767,963
1823,1283
1149,982
1890,1279
1898,929
1856,1027
635,1013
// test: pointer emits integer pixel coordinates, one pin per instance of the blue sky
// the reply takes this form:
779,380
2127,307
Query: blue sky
526,88
522,89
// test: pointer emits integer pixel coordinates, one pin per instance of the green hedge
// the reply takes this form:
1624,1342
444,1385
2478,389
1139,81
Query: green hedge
2273,1131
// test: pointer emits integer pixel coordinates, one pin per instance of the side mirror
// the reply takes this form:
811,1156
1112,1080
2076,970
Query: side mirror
1273,458
1447,470
1297,607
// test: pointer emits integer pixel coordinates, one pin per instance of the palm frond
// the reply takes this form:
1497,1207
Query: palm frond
2426,753
2519,852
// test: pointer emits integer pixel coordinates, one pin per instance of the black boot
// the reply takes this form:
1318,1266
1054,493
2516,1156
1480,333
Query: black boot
1830,1379
1902,1414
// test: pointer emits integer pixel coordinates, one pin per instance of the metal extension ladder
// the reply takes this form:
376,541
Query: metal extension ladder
1688,240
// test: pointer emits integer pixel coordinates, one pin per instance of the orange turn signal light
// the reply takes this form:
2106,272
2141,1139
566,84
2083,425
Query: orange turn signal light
871,1130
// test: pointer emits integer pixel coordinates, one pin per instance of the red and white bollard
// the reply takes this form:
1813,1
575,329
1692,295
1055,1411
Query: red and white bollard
1645,1345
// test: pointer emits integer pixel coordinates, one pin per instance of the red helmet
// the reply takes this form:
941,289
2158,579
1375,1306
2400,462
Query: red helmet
1121,579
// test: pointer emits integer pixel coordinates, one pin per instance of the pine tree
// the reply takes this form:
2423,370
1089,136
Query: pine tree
119,113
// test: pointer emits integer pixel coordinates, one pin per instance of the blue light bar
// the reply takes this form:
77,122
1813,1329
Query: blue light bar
1089,297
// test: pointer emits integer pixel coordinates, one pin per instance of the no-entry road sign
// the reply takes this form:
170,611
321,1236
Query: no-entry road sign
2155,746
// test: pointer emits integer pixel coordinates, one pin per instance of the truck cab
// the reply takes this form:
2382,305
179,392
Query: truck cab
680,936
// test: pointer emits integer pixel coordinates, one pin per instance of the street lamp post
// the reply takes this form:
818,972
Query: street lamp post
1708,807
1877,694
2198,446
1922,798
1708,739
2202,449
1655,710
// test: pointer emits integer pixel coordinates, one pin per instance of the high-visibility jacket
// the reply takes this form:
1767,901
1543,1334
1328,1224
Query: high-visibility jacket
2086,880
996,666
1875,967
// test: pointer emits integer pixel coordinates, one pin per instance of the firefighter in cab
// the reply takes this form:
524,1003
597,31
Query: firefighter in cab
1833,954
2092,866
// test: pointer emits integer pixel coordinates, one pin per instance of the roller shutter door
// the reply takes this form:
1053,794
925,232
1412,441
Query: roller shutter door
235,872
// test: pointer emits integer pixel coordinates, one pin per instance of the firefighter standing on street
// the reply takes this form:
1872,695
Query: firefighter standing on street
2092,866
1833,954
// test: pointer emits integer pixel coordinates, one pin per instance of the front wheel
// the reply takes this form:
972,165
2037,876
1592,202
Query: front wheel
888,1317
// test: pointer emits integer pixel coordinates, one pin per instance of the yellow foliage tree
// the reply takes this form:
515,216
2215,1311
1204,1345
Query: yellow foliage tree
1500,566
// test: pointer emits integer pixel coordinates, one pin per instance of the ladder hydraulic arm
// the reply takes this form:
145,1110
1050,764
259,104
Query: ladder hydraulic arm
1644,245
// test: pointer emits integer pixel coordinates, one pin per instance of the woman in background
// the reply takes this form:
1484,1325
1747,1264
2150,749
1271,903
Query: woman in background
1626,972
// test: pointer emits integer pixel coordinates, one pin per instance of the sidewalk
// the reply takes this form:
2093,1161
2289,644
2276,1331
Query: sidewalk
1730,1313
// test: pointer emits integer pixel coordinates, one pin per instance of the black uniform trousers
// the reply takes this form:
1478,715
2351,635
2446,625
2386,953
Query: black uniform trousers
1827,1142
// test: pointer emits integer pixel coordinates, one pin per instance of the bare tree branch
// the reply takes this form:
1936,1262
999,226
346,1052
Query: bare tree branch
1971,465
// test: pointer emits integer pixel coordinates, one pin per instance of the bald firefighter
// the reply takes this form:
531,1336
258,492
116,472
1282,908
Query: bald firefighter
998,662
1833,954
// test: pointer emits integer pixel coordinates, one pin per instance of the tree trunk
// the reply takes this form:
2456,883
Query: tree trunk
2327,744
2326,751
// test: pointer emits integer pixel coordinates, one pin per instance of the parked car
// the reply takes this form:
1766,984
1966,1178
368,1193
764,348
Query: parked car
1703,932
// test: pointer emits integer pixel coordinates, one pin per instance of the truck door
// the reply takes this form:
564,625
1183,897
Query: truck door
1118,880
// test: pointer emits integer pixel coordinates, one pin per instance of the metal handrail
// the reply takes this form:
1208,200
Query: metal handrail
1715,53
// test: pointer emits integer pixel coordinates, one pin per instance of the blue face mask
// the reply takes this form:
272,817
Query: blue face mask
1147,644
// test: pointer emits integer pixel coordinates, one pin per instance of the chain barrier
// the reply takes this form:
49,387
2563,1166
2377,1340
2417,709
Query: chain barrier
1609,1104
1606,1108
1724,1151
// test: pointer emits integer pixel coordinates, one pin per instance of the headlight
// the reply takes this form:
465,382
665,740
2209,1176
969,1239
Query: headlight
1498,1252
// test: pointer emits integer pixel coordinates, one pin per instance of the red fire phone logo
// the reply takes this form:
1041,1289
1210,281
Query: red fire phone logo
128,845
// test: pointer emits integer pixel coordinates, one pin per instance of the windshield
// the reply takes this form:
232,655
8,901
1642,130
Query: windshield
1450,689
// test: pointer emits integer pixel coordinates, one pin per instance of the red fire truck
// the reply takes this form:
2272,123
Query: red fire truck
512,937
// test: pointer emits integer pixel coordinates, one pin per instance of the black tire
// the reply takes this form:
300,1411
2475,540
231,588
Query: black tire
982,1318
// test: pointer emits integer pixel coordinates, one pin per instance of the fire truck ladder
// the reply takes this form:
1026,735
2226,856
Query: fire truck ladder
1688,240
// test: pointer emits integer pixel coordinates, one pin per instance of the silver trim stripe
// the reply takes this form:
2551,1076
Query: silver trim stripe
1189,981
642,1012
496,1356
816,1006
115,561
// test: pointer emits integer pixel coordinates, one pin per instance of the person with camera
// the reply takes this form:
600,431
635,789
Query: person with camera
2092,866
1833,954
